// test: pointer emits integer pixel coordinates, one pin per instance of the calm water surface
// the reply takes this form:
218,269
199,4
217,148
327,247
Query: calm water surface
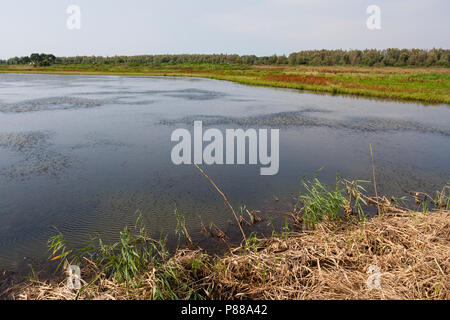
84,153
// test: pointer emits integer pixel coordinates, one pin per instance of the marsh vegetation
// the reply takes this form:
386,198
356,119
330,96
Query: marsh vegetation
326,260
416,82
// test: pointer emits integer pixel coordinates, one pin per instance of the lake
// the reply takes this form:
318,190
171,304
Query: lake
84,153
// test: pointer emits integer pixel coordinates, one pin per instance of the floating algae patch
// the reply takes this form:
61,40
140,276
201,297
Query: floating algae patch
37,157
385,124
123,92
188,93
51,103
94,142
301,118
194,94
131,101
24,141
49,163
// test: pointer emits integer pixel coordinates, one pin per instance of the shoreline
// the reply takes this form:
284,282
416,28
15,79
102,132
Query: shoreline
420,85
328,249
329,262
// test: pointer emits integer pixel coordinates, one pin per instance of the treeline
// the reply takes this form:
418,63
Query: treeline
373,57
368,57
35,59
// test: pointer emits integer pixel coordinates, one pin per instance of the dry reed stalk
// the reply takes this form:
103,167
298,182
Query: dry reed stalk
330,262
374,180
226,200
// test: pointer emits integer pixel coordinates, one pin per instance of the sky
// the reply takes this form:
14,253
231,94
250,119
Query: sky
260,27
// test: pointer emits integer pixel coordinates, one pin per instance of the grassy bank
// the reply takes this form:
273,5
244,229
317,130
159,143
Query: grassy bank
431,85
329,262
329,250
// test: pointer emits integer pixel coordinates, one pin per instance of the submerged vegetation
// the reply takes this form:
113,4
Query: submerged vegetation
326,250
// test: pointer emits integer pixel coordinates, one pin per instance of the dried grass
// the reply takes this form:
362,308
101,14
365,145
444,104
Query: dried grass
330,262
411,250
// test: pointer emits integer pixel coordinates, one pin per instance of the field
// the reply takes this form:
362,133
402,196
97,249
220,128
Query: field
427,85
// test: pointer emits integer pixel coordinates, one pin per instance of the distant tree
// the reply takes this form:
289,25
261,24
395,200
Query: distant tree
35,58
367,57
44,63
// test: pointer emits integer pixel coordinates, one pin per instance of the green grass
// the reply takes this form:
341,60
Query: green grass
125,262
136,253
425,201
141,267
320,202
430,85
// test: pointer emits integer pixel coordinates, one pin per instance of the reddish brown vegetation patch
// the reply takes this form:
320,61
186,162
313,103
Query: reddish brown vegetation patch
308,79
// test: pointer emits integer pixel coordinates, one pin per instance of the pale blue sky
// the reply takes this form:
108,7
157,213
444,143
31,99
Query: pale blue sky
261,27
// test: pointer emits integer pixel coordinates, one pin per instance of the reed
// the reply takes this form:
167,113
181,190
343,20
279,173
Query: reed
326,260
321,203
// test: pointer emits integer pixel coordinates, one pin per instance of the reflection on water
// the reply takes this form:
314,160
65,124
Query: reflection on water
84,153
